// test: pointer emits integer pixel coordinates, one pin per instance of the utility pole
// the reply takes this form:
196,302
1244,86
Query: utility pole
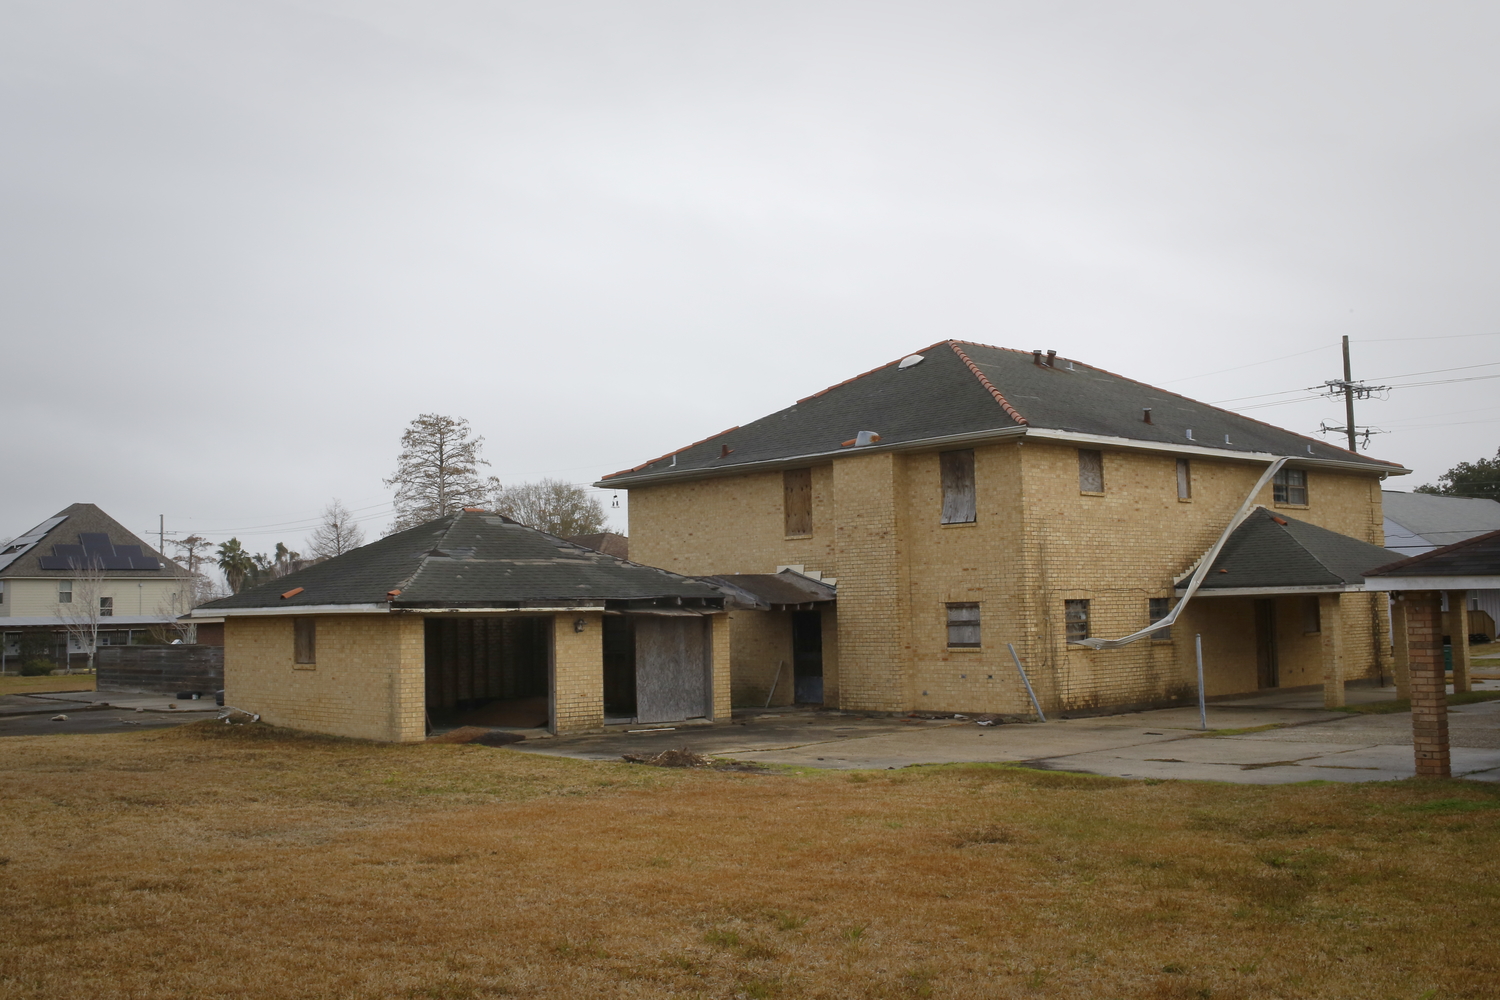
161,525
1348,396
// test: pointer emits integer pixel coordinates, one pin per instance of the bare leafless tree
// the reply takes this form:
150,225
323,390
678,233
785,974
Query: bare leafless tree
195,590
337,534
81,614
437,473
551,505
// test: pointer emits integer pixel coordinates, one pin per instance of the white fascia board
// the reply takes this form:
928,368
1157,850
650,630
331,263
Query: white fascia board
293,609
1351,588
1003,434
496,611
1433,583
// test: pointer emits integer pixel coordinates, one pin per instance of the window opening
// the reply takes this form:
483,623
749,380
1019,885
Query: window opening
1312,615
106,607
796,485
307,639
65,592
1158,608
963,626
1290,486
958,486
1076,614
1090,471
1184,479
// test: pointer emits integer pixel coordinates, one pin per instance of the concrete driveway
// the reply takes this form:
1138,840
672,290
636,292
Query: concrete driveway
1306,743
95,712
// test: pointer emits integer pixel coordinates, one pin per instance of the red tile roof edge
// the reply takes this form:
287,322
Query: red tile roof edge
669,454
984,381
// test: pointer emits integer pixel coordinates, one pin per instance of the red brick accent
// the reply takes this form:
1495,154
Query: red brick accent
984,381
1429,690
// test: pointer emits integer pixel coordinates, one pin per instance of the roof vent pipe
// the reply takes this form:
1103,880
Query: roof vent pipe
1146,414
1036,357
1051,359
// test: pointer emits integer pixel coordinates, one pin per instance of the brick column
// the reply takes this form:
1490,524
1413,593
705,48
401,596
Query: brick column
1403,649
1429,702
577,672
1456,624
874,602
1330,608
719,660
409,681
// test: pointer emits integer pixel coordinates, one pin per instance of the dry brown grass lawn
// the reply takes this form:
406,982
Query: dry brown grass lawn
215,861
13,684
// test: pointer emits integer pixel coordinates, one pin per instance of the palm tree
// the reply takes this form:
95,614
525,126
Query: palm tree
236,563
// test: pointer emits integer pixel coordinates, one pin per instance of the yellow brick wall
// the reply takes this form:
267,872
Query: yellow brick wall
721,673
730,525
759,642
1037,541
578,672
367,682
830,654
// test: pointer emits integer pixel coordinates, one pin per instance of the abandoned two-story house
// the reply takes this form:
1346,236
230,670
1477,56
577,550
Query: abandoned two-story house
966,499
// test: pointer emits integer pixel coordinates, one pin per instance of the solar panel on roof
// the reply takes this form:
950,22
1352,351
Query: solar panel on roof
75,551
114,562
144,562
127,550
94,541
54,562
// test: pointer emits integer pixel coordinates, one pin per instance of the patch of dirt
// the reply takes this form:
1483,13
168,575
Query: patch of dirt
482,735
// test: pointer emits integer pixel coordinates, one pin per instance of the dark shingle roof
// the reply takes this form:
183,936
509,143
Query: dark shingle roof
1270,551
970,389
472,559
118,548
769,590
1478,556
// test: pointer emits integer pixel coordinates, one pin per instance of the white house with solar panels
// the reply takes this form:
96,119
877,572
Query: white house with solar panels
83,554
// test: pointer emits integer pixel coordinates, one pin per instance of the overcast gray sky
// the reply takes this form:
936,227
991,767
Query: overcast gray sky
244,243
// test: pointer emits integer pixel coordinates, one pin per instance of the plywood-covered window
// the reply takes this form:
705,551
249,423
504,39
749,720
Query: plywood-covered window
963,626
1090,471
305,631
796,503
1076,614
1184,479
1290,486
958,486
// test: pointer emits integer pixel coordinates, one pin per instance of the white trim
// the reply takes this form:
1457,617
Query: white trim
1275,591
293,609
1434,583
496,611
1003,434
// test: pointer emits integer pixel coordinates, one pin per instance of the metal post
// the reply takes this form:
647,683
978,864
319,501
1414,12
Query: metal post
1348,397
1025,680
1202,708
161,531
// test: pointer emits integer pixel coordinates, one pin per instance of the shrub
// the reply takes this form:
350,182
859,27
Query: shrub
36,668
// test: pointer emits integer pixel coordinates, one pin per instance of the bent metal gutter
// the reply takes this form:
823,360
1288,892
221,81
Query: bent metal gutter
1199,573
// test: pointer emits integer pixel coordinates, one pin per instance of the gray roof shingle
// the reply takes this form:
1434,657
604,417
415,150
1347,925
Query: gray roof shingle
961,388
472,559
1478,556
1271,551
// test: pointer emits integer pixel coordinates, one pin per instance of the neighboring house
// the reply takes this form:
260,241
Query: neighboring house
474,619
967,498
607,542
1421,522
82,555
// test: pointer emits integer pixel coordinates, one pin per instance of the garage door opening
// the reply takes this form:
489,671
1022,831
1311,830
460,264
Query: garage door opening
489,672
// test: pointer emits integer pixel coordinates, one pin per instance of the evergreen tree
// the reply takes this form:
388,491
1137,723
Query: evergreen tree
437,472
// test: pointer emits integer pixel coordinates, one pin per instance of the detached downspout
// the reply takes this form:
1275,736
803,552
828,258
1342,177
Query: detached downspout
1199,573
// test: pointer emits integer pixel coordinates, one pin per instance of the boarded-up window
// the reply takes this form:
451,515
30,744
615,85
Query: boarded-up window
1290,486
306,631
963,626
1184,479
1076,614
1090,470
1312,615
796,486
1158,608
958,487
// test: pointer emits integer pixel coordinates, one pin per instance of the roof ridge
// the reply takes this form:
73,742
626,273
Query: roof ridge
984,380
1443,550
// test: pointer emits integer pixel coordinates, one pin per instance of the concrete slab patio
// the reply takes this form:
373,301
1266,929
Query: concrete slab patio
1306,743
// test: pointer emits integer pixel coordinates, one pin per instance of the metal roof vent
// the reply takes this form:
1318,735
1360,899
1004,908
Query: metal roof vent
865,438
910,360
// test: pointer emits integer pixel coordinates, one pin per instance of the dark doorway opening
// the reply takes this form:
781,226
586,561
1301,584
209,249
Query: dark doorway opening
619,669
1266,660
807,656
489,672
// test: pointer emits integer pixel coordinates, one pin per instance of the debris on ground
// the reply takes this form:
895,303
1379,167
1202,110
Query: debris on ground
669,758
236,717
59,718
483,735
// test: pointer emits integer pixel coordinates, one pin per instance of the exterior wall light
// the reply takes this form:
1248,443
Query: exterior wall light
578,625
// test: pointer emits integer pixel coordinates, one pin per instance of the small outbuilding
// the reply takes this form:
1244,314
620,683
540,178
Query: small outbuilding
474,619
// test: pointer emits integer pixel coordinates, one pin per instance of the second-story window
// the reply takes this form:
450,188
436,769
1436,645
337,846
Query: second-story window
1290,486
106,607
1090,471
1184,479
796,489
958,486
64,591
